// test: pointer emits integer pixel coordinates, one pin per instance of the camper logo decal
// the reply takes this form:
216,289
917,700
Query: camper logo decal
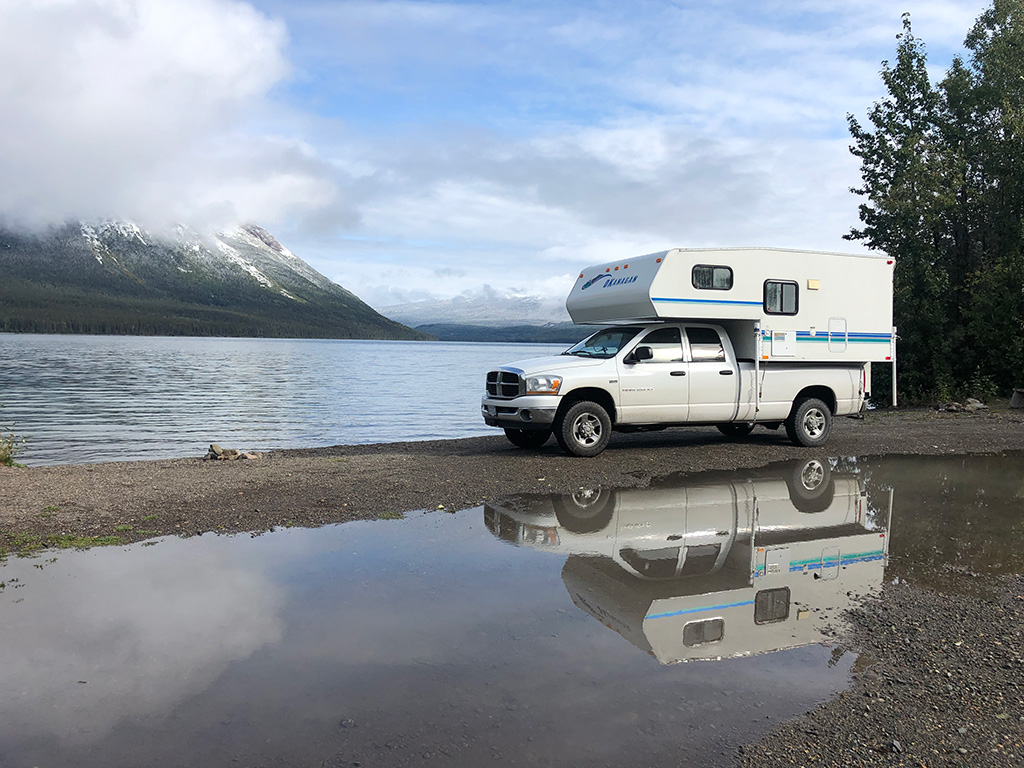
610,283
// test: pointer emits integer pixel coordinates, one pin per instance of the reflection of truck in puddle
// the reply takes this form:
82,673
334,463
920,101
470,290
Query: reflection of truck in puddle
716,567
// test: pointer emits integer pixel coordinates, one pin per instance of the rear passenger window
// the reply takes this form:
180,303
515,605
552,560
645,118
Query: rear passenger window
780,298
666,343
705,345
711,277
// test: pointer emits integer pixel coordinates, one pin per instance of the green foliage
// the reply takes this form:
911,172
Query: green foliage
943,181
10,444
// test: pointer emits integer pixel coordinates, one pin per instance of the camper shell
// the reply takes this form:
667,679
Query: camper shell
808,306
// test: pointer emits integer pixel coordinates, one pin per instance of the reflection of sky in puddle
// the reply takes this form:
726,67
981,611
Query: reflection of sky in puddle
386,642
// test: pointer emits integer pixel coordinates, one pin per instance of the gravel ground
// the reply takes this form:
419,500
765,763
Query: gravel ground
939,680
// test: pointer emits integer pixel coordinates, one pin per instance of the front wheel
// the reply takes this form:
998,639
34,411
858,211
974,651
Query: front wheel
810,423
527,438
583,429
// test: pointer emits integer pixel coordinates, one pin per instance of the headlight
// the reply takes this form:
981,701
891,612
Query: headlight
543,385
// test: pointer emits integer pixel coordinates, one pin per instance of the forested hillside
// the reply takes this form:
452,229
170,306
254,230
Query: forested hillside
116,278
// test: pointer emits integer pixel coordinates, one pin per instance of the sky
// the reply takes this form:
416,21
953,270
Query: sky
412,150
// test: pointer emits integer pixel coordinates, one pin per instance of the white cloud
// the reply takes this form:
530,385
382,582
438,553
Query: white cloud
507,143
139,108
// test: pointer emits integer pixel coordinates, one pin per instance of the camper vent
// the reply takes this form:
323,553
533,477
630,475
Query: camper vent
502,384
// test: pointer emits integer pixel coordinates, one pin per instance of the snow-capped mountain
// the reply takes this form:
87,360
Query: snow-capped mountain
487,308
115,277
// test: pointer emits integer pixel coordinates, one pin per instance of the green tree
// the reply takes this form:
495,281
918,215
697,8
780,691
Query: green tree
943,182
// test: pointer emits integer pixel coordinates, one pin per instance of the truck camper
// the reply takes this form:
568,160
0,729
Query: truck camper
731,338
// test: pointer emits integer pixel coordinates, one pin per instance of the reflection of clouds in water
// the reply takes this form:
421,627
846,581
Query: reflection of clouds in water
144,629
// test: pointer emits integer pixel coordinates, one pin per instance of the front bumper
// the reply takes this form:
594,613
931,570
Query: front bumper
530,412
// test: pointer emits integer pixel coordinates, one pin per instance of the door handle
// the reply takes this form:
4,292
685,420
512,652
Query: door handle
677,373
725,373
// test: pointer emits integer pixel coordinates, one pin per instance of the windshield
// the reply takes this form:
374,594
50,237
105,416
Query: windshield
605,343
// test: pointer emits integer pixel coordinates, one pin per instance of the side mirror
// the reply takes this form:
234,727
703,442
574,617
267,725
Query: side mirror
642,353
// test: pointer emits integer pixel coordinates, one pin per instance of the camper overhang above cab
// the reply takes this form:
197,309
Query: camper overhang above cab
808,305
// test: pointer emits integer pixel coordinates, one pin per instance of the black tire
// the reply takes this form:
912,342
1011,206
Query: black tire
811,488
583,429
586,511
527,438
810,423
735,429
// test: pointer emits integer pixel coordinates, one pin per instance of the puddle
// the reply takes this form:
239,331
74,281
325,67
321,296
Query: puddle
432,640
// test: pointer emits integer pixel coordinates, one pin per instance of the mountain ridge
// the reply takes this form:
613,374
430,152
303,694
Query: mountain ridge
115,277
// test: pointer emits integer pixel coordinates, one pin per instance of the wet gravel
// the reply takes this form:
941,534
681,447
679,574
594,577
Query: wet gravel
139,500
940,681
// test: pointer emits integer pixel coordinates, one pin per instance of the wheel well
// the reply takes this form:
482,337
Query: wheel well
593,394
823,393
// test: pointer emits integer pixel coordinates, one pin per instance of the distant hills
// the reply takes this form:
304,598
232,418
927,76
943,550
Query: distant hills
491,316
486,308
554,333
115,278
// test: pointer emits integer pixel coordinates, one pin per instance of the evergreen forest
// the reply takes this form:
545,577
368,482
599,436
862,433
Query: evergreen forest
942,166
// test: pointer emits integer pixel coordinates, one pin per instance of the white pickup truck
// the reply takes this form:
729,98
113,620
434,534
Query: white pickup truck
725,337
644,377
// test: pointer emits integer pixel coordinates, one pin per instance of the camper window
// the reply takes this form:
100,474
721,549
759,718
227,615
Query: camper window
705,345
666,344
701,632
780,298
771,605
711,277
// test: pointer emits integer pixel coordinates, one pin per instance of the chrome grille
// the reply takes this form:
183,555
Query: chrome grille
502,384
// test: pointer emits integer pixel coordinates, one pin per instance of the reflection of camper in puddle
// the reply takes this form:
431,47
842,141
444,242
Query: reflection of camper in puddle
725,565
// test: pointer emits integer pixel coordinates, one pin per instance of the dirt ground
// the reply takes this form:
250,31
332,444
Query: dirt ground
945,685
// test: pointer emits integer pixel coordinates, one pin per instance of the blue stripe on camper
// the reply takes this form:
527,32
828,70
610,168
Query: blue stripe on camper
851,338
816,563
721,607
707,301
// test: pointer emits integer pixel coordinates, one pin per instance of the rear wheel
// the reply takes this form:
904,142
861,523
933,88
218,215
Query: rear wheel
527,438
735,429
583,429
810,423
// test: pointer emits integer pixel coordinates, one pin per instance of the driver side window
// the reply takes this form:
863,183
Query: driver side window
666,343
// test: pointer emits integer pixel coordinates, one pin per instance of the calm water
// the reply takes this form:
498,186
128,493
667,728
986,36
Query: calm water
540,630
109,398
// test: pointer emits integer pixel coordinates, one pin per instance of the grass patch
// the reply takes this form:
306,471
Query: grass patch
149,517
25,544
124,528
10,444
391,516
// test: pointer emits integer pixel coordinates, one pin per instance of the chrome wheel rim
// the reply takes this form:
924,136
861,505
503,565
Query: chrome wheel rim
814,423
586,429
811,475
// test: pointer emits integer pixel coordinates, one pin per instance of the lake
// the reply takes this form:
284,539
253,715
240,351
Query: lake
113,398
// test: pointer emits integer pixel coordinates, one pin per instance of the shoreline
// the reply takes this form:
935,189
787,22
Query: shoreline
132,501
